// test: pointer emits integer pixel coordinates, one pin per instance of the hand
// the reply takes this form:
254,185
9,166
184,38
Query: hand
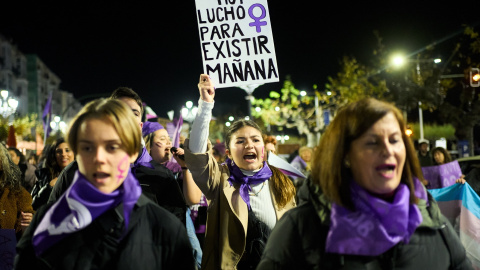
206,88
25,219
461,180
176,155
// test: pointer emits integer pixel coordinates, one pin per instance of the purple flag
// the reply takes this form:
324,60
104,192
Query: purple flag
47,115
442,175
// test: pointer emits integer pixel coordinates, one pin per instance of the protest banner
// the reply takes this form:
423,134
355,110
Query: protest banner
442,175
236,42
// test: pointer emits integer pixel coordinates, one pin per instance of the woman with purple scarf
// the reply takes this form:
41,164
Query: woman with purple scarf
103,221
364,205
246,197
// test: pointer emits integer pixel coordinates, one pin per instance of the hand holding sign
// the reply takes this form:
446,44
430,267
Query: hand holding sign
206,88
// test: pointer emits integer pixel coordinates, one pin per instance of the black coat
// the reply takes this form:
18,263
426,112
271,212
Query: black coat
42,189
158,184
155,240
298,242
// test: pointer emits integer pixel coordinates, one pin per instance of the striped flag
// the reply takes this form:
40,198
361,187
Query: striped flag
460,204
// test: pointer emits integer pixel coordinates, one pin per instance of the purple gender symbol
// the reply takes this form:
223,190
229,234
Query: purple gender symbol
257,23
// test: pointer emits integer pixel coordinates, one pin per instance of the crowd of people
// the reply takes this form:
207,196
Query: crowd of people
116,194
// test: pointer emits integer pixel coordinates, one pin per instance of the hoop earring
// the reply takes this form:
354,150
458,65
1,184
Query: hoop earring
347,163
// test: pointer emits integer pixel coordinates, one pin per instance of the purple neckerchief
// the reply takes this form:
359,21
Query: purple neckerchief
173,166
246,182
143,160
79,206
299,159
375,226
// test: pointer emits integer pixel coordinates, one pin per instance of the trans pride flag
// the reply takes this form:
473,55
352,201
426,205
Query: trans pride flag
461,205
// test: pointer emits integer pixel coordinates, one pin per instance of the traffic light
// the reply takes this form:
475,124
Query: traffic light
474,77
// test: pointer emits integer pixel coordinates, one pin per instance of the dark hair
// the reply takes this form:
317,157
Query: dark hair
127,92
283,188
351,122
11,176
18,153
446,155
51,159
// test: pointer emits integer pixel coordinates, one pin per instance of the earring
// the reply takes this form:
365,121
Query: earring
347,163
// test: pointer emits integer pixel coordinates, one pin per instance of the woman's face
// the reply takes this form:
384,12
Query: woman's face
101,156
378,156
247,149
64,155
306,155
160,148
439,157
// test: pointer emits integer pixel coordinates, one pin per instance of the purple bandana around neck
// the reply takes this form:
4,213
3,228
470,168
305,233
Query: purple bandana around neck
143,160
79,206
376,225
236,176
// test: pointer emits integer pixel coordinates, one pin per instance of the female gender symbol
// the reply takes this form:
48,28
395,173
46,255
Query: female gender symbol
257,20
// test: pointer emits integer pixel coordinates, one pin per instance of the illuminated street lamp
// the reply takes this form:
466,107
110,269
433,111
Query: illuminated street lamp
58,125
8,105
400,60
189,111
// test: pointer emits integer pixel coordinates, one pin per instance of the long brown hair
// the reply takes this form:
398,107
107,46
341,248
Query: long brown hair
283,188
352,121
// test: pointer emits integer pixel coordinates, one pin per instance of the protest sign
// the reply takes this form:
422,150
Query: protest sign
236,42
442,175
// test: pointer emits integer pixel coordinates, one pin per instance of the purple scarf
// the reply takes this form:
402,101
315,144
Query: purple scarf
237,176
79,206
143,160
376,225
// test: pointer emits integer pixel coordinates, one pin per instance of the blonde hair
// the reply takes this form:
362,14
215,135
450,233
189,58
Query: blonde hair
118,114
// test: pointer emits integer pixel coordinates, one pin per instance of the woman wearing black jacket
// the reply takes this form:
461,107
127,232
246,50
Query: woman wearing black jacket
365,205
58,157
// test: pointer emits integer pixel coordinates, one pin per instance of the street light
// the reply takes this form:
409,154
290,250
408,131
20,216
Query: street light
189,111
58,125
249,89
8,105
398,61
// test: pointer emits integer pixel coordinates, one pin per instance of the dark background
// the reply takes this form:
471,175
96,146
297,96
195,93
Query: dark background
154,48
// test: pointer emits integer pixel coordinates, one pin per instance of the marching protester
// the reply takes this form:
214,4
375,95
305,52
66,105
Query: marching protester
365,205
246,196
103,221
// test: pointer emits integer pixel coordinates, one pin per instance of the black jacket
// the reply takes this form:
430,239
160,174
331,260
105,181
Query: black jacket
298,242
158,184
42,189
155,240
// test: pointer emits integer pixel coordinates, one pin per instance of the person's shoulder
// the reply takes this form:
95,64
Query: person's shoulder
156,213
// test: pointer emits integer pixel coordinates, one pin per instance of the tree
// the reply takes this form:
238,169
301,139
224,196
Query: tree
462,102
23,127
289,109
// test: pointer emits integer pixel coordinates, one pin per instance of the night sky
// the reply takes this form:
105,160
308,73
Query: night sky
154,48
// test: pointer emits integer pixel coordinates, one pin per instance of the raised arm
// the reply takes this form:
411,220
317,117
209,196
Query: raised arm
199,133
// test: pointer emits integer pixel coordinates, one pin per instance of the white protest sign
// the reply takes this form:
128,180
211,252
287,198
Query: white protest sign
236,42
